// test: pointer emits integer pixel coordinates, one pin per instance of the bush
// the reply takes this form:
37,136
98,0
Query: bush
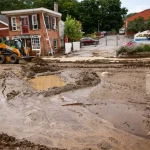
133,50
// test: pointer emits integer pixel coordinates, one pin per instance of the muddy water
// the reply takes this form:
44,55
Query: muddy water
45,82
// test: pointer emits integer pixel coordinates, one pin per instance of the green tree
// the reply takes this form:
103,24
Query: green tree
108,12
70,7
148,23
137,25
73,28
15,4
65,6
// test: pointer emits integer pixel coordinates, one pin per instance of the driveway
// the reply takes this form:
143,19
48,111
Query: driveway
102,50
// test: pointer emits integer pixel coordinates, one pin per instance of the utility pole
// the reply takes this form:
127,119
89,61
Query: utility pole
117,40
106,39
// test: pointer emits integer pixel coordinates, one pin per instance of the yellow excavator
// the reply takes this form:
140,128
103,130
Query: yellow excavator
11,51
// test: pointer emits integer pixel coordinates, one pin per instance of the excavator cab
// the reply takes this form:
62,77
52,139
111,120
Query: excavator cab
16,44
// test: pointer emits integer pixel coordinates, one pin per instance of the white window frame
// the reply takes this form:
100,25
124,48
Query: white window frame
55,46
32,39
48,21
35,23
13,24
54,23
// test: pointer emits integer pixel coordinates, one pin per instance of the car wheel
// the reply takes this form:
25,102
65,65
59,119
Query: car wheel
94,43
82,44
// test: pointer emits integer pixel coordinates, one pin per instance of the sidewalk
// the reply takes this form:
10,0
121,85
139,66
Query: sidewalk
90,59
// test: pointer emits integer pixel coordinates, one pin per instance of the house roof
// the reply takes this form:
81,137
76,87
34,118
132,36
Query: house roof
34,10
3,20
145,14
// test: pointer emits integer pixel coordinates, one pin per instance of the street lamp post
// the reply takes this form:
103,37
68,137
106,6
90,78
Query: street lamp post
98,26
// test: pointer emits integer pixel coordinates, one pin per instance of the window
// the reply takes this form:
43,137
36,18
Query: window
13,23
54,23
34,22
55,44
36,43
25,26
47,22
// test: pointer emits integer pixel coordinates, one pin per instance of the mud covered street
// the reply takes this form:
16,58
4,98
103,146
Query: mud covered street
97,108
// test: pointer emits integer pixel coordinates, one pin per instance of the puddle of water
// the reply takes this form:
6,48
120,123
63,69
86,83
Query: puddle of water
45,82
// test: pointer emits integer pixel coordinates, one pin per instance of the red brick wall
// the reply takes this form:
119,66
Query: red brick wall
42,31
3,33
145,14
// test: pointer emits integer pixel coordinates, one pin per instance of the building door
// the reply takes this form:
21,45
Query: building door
25,25
27,45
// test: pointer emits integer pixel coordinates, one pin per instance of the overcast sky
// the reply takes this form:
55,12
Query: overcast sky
135,5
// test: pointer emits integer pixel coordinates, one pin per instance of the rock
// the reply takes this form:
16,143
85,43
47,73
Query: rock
30,74
12,94
104,145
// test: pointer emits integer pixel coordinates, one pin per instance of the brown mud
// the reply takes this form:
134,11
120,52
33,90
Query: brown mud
12,94
133,62
38,65
11,143
99,108
43,67
86,79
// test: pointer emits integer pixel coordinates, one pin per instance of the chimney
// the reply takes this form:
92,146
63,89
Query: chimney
56,6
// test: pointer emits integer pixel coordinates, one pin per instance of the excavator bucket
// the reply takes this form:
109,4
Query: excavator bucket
27,58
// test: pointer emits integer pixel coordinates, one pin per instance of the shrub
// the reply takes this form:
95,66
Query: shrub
133,50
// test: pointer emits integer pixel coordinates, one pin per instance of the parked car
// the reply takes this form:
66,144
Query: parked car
103,33
132,43
89,41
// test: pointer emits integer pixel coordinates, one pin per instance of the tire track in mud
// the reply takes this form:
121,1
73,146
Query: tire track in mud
3,88
4,85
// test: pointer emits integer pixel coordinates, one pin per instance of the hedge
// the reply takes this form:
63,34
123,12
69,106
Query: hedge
133,50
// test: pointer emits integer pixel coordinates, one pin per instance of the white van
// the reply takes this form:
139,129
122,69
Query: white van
122,31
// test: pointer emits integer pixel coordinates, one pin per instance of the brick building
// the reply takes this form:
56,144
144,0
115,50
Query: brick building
37,28
4,33
145,14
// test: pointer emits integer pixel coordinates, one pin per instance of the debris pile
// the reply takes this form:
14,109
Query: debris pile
88,79
38,60
58,90
41,65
